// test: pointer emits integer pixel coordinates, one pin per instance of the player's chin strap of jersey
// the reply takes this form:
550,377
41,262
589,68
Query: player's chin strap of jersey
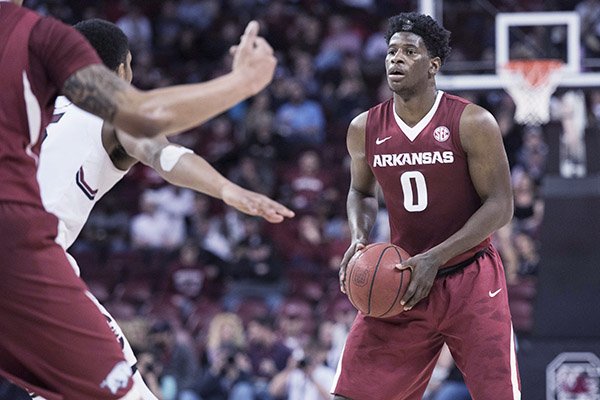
457,267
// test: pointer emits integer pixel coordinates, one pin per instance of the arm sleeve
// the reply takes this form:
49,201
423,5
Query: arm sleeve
61,49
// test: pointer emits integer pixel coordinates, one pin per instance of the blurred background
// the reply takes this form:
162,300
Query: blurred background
218,305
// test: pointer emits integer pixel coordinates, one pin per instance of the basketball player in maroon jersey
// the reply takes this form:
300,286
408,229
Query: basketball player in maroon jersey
53,340
444,175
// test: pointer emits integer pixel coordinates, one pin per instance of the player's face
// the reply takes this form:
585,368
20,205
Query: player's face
407,62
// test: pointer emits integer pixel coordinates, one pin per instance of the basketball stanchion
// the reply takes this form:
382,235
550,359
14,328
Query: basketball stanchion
531,83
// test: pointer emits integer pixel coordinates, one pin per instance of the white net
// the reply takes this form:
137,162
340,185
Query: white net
531,83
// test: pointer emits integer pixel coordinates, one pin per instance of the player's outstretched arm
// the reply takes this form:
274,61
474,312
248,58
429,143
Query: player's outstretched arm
173,109
181,167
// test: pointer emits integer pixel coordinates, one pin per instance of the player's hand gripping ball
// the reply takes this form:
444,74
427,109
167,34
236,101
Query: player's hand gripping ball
373,283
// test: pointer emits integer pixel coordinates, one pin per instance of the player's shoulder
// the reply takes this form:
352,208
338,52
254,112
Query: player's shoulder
67,116
47,23
452,98
49,29
476,116
62,104
360,121
470,110
477,123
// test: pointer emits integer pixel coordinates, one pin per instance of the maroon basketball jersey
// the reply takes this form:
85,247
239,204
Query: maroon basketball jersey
36,56
423,173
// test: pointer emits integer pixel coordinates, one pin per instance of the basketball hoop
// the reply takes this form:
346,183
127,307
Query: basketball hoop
531,83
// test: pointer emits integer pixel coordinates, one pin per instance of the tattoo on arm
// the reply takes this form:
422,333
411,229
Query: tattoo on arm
97,90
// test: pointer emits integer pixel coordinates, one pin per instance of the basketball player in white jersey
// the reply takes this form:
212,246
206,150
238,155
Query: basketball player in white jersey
83,157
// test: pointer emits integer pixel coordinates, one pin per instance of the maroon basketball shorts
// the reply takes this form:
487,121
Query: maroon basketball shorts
53,339
393,358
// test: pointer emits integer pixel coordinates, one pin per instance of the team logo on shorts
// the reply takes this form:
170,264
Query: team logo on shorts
117,378
573,376
441,133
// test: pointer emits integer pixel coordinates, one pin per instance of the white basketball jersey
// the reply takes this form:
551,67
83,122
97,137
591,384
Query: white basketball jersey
74,169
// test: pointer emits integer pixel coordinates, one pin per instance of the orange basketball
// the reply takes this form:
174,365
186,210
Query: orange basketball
373,284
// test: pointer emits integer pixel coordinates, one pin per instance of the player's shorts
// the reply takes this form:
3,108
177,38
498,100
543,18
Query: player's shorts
53,339
114,327
393,358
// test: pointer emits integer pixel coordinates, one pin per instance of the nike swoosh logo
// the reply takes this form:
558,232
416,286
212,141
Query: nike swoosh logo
379,141
493,294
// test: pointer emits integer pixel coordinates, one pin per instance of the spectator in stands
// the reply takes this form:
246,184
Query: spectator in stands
138,28
220,147
306,376
527,219
198,14
304,248
304,72
300,120
147,74
307,184
153,229
185,281
529,206
257,269
172,348
253,174
106,231
527,253
589,12
267,352
339,40
259,106
167,29
176,201
261,144
343,315
295,323
373,51
227,376
533,153
208,230
226,331
446,382
351,95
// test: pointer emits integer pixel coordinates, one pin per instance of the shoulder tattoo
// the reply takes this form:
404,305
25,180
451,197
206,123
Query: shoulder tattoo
96,90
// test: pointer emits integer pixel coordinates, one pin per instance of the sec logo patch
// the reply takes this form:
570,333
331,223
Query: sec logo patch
441,133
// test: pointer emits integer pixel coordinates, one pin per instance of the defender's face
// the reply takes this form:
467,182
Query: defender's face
407,61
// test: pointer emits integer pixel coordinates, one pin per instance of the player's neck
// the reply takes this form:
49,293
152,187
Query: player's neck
411,109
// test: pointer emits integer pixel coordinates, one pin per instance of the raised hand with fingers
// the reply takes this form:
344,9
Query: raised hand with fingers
253,203
254,57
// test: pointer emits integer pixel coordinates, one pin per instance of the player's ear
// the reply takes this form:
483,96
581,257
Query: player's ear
121,71
434,66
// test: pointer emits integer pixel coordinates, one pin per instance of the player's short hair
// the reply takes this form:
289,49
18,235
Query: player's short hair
110,42
436,38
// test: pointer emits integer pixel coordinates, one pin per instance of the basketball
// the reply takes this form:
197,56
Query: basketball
373,284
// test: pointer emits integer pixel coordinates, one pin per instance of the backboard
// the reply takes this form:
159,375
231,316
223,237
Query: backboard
513,32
